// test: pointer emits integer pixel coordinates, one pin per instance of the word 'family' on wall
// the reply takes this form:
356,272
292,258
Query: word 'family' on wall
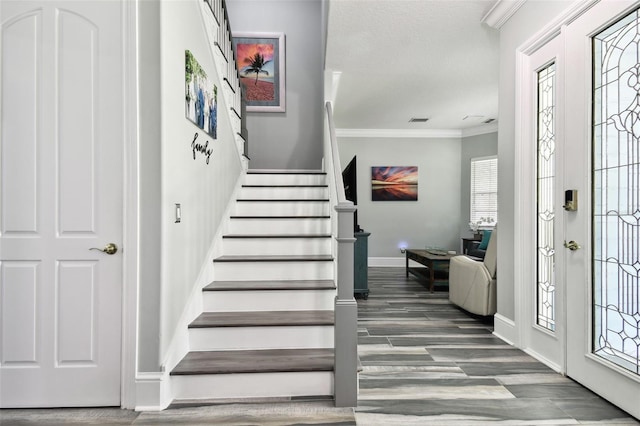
203,149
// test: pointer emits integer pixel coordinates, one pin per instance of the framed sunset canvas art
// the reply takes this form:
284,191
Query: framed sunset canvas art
260,58
394,183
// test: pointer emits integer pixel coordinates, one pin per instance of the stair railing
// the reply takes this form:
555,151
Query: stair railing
346,308
219,32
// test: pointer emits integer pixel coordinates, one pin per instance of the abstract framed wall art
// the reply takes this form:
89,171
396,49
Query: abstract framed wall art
260,58
201,96
393,183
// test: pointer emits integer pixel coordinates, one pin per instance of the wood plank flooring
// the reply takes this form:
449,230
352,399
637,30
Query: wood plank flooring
425,362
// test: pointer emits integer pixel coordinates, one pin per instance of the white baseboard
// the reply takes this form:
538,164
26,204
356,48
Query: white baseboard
552,365
387,262
505,329
153,392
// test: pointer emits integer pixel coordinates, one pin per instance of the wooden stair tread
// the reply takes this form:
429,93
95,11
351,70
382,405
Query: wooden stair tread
271,285
277,236
285,172
280,217
275,258
255,361
285,185
280,200
262,319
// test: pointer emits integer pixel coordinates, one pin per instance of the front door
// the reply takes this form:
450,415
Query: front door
61,179
603,165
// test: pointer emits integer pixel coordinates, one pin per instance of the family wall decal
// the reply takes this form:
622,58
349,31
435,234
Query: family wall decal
200,148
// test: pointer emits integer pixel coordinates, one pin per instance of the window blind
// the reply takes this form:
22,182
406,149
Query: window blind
484,190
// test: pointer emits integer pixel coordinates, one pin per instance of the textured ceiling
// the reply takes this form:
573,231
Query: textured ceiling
413,58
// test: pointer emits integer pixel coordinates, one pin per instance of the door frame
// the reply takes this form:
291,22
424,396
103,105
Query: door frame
524,196
130,194
533,337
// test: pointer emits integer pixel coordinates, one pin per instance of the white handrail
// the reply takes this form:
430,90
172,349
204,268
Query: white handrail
335,157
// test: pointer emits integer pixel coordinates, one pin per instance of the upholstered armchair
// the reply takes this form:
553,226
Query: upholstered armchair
472,284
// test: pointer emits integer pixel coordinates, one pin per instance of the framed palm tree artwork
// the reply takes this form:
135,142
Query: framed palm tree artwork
260,58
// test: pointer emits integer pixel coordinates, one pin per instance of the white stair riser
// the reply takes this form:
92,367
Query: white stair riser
253,338
284,179
282,208
256,271
284,192
268,300
252,385
279,226
276,246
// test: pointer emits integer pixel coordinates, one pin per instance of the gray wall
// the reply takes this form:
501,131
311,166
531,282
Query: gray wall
434,219
293,139
472,147
149,193
530,19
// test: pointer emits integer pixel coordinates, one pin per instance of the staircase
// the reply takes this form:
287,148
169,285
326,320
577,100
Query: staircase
267,326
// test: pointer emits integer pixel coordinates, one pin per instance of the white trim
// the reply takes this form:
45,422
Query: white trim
398,133
522,204
505,329
419,133
480,130
552,365
130,281
387,262
501,12
153,392
553,29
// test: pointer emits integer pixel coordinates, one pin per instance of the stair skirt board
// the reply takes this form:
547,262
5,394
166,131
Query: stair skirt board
246,207
283,191
279,225
268,300
252,385
252,245
275,270
250,338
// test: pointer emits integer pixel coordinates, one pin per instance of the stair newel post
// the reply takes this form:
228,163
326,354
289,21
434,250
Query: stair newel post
346,313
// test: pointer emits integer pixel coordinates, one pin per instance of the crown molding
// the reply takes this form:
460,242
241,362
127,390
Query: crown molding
418,133
500,13
480,130
398,133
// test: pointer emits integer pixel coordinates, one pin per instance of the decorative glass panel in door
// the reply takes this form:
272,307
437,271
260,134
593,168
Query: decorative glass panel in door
545,316
616,193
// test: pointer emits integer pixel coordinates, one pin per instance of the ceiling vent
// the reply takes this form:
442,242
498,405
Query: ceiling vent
490,120
418,120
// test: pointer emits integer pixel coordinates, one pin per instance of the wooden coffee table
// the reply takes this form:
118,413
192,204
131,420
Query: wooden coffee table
437,265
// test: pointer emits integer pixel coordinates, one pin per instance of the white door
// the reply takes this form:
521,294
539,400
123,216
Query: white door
603,146
61,181
542,310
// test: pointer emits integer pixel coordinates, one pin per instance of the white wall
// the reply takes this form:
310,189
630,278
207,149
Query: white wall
434,219
293,139
472,147
202,189
529,19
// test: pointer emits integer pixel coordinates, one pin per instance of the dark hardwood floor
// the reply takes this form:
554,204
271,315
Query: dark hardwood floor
425,362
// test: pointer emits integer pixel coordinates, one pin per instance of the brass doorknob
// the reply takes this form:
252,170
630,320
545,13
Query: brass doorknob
572,245
109,248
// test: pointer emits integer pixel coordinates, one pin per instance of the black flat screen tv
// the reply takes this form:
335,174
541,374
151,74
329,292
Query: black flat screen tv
350,180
